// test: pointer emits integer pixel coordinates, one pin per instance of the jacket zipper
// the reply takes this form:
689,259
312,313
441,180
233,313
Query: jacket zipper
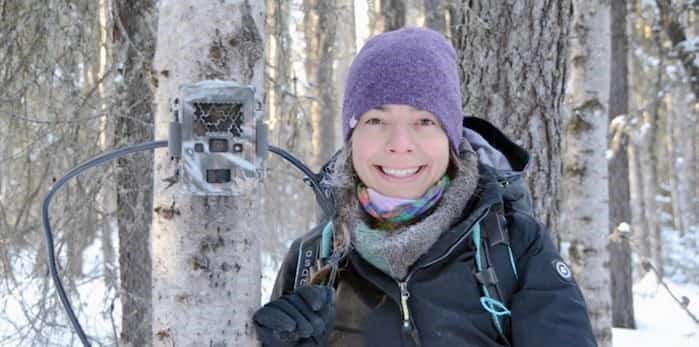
404,309
408,326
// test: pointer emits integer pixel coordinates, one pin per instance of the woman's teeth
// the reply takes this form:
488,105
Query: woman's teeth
400,172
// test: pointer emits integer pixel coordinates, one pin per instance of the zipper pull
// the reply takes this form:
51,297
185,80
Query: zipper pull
404,295
408,326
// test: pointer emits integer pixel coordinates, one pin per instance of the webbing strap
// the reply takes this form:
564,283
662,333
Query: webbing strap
485,274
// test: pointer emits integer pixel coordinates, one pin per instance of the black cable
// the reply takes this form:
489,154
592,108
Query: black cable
323,200
47,225
325,204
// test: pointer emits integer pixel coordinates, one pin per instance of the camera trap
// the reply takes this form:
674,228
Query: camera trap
219,137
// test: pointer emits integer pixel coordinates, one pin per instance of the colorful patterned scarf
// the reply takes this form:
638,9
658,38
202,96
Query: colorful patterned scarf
405,213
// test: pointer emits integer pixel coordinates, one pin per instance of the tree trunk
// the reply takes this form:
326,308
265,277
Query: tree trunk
386,15
645,96
619,196
346,48
512,58
435,15
320,24
648,139
676,32
134,33
393,13
586,204
414,13
205,250
680,128
639,225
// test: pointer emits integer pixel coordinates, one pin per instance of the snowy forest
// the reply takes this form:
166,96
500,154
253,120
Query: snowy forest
603,94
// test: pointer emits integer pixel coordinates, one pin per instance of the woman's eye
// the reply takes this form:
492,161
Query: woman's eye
426,122
373,121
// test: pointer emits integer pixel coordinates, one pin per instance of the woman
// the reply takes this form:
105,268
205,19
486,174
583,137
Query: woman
417,256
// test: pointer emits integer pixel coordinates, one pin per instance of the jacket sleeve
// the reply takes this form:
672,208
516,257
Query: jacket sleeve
548,309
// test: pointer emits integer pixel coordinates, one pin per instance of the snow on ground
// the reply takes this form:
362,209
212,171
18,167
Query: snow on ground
660,320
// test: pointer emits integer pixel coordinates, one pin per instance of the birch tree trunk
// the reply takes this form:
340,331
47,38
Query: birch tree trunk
681,155
205,250
645,97
512,58
619,196
134,33
639,226
586,204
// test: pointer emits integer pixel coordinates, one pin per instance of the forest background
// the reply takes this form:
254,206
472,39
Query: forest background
603,94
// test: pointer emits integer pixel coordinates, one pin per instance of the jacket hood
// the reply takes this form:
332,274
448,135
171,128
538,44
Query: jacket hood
495,149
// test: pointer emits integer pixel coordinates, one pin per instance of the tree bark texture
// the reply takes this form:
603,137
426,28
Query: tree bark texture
134,33
619,196
320,25
205,250
512,57
586,202
649,142
435,15
346,49
386,15
678,36
647,93
681,156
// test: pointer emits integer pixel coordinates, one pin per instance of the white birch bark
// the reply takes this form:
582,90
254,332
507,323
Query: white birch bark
682,155
585,206
206,273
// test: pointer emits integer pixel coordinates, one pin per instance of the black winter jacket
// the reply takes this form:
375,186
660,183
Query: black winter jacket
443,297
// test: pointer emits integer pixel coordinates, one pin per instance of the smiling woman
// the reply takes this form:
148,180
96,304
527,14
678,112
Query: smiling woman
423,249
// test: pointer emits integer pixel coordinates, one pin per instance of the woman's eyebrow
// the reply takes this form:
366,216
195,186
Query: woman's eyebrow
380,108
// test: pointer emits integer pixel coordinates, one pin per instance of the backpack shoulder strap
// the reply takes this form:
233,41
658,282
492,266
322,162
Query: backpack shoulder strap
489,233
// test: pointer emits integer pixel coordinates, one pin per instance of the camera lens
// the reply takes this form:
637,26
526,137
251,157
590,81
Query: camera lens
218,145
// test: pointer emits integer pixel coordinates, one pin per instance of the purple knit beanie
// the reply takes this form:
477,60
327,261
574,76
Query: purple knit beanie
411,66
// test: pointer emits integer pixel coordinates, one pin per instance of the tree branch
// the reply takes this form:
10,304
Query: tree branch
683,302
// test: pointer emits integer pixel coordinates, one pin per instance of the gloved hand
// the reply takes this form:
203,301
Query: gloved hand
303,318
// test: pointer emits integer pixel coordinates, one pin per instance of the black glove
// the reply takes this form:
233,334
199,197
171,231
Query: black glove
303,318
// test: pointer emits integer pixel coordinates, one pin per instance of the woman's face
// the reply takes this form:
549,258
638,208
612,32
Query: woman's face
399,151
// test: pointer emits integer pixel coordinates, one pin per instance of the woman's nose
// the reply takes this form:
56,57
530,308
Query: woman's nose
400,140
